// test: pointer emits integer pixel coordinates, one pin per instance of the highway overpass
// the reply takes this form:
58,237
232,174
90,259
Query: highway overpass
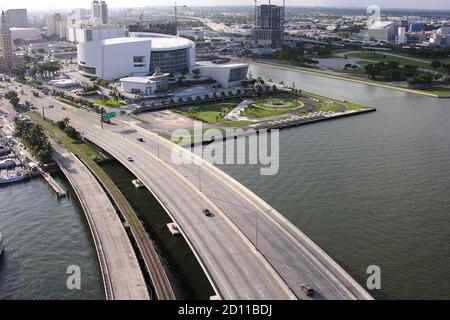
242,261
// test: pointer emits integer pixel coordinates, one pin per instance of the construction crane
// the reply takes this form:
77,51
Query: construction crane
141,22
176,15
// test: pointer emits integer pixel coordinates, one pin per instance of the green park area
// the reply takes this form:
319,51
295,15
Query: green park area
370,57
71,144
278,105
109,103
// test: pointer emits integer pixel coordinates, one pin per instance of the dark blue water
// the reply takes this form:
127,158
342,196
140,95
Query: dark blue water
43,236
371,189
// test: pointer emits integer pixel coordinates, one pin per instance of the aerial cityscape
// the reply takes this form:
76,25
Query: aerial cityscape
252,150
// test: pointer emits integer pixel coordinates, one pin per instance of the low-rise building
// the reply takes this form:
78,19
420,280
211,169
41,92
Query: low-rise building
382,31
226,74
25,34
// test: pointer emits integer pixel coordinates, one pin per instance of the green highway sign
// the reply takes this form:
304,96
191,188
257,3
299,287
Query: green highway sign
109,115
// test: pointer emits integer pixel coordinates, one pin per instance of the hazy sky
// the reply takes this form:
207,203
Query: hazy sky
67,4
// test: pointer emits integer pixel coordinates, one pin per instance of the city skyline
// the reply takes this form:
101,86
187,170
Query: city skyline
52,5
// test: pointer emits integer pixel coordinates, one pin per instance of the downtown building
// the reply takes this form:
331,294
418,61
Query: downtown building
269,26
17,18
8,59
57,25
99,10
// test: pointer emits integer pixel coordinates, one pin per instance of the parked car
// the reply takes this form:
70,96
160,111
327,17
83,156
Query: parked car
140,139
130,159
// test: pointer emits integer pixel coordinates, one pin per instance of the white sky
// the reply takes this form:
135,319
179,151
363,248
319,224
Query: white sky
67,4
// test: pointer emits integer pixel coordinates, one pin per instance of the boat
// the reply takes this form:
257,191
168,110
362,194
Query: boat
1,243
138,184
11,179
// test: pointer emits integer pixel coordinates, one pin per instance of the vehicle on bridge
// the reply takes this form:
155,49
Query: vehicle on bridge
308,289
207,212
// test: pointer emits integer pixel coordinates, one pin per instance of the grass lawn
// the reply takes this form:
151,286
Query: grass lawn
439,91
89,155
72,145
253,112
109,103
212,113
380,57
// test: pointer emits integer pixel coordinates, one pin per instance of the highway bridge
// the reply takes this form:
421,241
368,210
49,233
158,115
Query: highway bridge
247,250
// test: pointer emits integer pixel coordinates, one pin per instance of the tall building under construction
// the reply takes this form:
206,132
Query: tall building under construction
269,26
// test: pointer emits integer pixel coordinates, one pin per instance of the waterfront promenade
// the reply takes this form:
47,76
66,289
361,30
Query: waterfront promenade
122,276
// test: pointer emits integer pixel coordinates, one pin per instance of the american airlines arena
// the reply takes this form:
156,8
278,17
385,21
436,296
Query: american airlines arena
138,54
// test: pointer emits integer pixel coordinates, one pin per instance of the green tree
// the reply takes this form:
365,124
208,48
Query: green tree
436,64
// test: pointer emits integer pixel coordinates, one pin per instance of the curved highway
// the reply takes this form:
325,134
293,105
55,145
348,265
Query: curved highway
248,250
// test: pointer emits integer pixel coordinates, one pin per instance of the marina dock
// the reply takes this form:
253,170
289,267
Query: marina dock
60,192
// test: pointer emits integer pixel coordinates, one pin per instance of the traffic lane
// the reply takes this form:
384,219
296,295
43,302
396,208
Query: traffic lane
213,228
278,246
198,209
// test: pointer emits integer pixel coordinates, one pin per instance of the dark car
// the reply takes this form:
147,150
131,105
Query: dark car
130,159
140,139
308,289
207,212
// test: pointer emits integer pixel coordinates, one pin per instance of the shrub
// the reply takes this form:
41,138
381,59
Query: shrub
71,132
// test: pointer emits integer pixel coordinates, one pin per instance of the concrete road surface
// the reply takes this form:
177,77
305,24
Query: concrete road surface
239,266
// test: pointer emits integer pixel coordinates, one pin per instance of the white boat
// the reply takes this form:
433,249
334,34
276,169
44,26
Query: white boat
11,179
1,243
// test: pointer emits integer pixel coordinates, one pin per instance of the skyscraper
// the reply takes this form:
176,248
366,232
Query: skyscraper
7,59
17,18
269,26
57,25
104,12
96,11
100,10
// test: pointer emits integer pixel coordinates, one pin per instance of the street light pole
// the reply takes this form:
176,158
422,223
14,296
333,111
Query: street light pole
158,146
200,178
256,241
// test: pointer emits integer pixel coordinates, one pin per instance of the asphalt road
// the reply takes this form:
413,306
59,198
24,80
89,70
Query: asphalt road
241,263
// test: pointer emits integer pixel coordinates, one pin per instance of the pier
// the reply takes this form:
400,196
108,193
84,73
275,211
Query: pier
57,189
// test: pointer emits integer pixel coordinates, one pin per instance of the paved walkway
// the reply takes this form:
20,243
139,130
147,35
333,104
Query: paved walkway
121,273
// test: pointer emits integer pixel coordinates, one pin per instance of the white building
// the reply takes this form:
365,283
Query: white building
92,31
17,18
382,31
112,59
401,37
25,34
138,85
116,58
227,74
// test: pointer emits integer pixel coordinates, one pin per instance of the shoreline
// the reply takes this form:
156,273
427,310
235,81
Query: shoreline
340,77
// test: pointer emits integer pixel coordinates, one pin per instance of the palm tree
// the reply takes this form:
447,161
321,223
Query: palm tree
66,121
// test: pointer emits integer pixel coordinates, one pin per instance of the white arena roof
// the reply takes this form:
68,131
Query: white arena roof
158,43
